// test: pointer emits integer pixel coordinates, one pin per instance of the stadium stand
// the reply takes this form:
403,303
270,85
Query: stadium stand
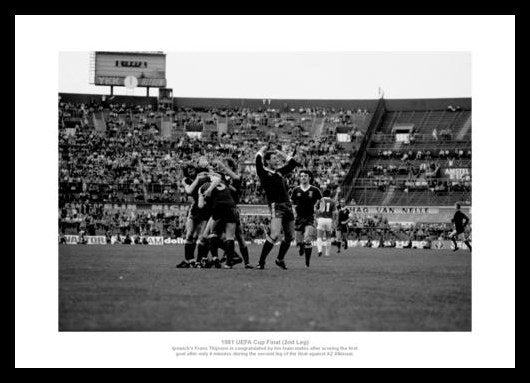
126,150
130,160
416,157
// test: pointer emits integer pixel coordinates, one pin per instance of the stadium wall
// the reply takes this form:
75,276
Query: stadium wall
370,105
274,103
394,214
191,102
118,240
405,105
87,98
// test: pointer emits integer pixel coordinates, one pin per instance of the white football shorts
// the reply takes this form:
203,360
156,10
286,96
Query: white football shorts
325,224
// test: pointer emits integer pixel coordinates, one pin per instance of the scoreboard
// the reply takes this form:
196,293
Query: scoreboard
111,68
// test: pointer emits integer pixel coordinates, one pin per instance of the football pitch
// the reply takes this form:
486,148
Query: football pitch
138,288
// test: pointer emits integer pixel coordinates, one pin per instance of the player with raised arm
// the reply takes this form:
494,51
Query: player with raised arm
460,220
304,197
228,169
223,212
344,217
326,213
235,183
272,178
196,217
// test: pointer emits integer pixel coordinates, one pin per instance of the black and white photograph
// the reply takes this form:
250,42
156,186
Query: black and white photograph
262,196
234,214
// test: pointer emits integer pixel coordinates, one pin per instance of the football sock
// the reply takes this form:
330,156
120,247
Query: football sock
308,255
222,246
202,250
265,250
468,245
284,246
300,248
319,245
214,246
339,243
244,254
189,249
327,244
454,242
229,251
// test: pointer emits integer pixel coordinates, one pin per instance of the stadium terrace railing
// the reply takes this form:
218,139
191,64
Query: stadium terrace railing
401,181
375,122
445,162
427,145
369,196
391,138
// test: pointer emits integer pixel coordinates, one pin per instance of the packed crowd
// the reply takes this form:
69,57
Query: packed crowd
419,170
371,228
132,162
442,135
410,154
93,219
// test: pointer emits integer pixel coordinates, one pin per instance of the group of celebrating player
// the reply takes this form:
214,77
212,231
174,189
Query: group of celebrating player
213,221
213,218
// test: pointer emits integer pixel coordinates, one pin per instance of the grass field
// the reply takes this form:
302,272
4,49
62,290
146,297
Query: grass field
137,288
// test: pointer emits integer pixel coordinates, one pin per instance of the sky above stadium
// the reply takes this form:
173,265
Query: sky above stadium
311,75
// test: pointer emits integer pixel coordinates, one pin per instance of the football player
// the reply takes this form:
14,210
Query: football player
197,217
272,177
341,232
327,213
304,198
460,221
